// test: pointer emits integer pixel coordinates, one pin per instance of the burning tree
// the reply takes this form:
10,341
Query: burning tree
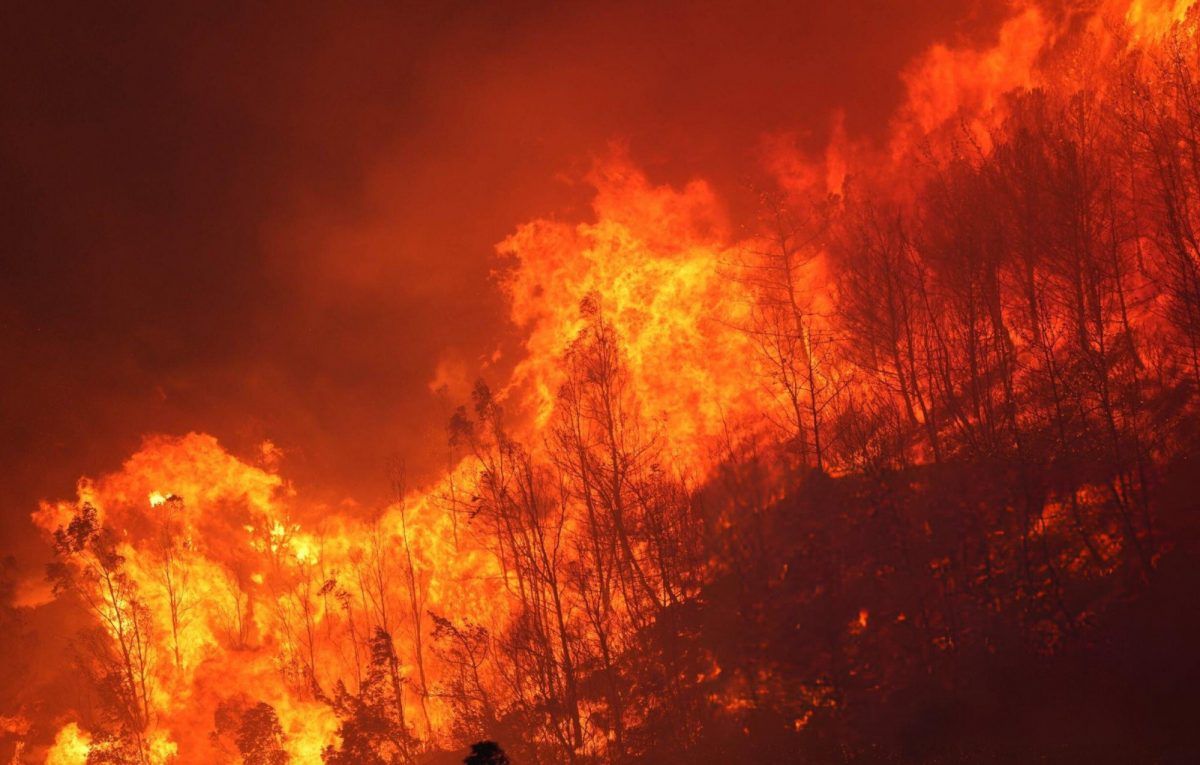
90,566
981,352
373,729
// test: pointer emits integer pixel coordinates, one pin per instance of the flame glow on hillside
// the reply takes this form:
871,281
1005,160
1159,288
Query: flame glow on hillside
666,350
657,263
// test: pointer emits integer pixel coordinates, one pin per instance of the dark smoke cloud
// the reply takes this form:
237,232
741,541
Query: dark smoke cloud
275,222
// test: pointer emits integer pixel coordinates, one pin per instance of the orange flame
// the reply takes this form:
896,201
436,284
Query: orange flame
249,590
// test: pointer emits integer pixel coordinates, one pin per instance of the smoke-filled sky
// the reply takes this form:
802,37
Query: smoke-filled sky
279,222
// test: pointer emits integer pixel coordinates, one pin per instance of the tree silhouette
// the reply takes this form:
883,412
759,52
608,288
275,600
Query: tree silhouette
372,729
260,737
486,753
88,564
252,730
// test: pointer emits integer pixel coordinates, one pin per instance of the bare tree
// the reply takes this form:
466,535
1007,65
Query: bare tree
89,565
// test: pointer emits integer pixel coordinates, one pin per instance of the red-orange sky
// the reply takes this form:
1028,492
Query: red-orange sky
275,222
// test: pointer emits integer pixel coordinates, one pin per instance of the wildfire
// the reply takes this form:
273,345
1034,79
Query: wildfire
951,83
71,747
1152,20
657,264
658,340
